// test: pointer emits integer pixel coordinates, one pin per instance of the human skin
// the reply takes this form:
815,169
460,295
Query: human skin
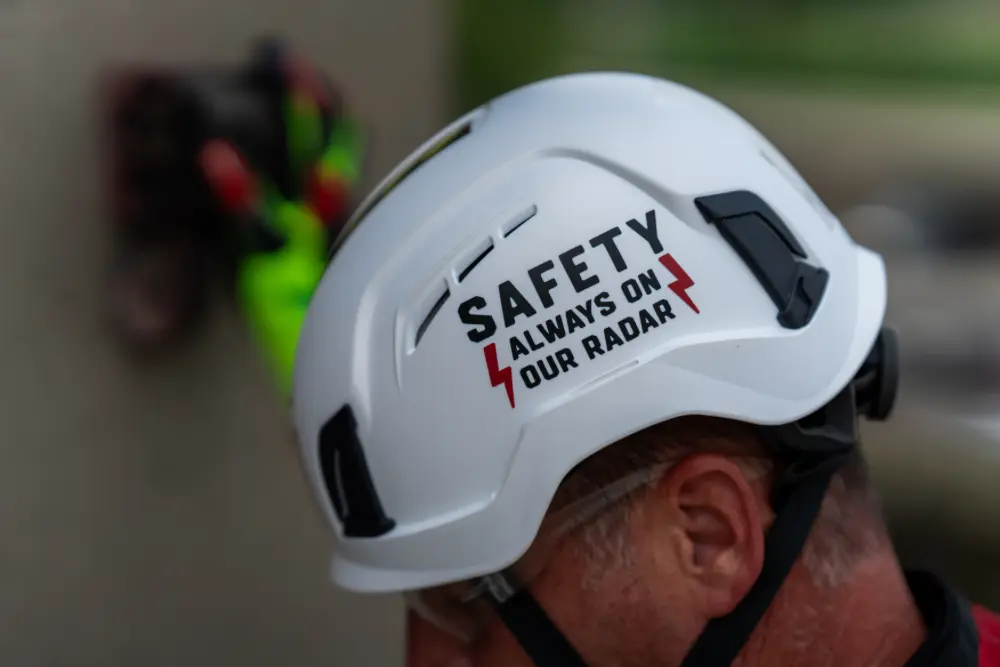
694,547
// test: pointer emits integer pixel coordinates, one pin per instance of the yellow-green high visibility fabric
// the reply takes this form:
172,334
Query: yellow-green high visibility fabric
275,288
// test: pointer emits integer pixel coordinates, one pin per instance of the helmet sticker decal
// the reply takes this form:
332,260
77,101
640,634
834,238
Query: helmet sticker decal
682,283
499,376
644,290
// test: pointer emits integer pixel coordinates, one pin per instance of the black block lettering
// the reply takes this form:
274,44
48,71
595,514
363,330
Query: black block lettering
513,303
611,339
629,329
467,316
529,376
543,287
575,270
574,321
565,359
649,282
517,348
631,290
647,321
648,231
592,346
553,329
548,367
605,304
532,343
607,239
663,311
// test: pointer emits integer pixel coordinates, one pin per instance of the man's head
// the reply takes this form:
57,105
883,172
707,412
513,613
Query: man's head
512,339
684,546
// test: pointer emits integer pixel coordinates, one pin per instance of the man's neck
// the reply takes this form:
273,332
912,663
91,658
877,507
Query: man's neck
869,620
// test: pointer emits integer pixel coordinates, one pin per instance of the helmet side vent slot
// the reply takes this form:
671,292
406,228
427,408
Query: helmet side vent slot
432,306
478,255
518,221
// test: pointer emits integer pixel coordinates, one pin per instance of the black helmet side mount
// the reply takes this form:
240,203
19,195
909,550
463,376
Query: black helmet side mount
877,381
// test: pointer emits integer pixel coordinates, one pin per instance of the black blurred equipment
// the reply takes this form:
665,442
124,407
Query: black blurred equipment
173,230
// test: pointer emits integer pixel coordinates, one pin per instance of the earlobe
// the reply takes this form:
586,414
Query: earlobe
720,534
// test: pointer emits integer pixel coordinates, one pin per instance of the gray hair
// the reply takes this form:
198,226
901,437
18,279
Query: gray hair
849,527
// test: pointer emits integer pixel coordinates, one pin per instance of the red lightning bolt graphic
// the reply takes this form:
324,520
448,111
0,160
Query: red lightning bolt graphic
682,283
499,376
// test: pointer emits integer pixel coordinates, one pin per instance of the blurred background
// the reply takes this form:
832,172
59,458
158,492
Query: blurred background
155,514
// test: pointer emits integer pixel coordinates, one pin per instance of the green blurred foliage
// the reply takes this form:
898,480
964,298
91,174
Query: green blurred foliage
503,44
784,5
828,42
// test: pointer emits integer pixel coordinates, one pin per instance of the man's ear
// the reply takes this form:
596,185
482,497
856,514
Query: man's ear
717,531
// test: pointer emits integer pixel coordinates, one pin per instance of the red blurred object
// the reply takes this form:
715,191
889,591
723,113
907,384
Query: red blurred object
304,77
229,175
328,196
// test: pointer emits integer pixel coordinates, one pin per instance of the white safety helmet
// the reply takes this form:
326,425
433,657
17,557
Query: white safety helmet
573,262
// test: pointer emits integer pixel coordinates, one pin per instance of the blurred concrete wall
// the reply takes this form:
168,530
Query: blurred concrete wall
156,516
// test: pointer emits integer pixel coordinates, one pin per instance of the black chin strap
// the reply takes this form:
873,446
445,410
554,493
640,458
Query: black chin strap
536,633
798,498
724,638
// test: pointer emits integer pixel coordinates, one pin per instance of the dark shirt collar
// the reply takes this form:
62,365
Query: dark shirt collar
952,639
